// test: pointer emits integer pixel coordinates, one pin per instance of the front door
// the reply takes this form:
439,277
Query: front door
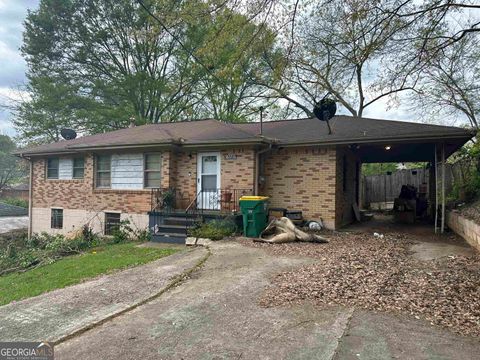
208,180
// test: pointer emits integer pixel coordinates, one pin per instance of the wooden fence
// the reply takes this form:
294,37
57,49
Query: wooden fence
385,188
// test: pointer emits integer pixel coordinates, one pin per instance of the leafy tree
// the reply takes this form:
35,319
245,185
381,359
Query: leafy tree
235,51
93,64
378,168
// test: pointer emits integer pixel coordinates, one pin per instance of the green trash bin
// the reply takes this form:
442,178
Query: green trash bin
255,214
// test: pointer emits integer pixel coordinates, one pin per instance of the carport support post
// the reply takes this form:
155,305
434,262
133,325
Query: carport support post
436,190
443,189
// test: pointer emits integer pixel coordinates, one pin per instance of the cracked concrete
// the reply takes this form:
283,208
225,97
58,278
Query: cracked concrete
62,312
214,315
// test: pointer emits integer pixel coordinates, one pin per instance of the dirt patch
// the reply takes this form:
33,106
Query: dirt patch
357,269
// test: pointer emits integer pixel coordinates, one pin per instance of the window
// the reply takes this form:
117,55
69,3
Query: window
103,171
52,168
57,219
78,168
152,169
344,173
112,223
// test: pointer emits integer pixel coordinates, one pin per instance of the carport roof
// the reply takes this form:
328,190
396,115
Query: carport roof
308,131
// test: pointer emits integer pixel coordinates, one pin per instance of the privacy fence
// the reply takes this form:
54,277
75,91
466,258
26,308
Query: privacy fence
385,188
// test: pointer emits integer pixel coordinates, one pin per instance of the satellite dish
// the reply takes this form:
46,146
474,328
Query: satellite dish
68,134
324,110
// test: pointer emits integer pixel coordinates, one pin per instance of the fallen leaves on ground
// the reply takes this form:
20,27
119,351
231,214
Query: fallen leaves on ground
471,211
358,269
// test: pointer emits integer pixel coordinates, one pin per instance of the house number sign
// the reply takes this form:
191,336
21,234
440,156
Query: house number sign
230,157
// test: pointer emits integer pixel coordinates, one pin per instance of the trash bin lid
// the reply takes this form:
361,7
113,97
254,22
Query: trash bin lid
254,198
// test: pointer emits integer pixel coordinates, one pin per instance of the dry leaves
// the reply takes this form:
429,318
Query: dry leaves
378,274
472,212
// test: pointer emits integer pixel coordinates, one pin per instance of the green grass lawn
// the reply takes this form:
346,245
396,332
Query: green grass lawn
73,269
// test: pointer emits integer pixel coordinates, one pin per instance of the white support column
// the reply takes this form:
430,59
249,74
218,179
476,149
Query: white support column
436,190
443,189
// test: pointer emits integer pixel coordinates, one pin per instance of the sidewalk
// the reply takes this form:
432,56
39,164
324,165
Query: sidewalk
56,315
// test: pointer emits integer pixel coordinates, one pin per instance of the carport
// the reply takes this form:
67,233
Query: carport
434,151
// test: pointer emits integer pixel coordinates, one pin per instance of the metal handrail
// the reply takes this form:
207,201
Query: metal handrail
218,200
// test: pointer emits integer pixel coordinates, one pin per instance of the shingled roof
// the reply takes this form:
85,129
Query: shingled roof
345,129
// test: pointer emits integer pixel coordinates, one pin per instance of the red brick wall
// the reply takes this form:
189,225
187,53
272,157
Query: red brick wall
303,178
81,194
179,170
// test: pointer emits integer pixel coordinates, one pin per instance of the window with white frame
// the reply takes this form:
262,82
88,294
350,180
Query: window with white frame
65,168
78,168
104,171
152,170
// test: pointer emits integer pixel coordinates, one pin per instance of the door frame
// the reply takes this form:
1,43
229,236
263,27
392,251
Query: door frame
199,172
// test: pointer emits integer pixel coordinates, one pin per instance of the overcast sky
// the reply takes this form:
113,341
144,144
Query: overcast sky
12,66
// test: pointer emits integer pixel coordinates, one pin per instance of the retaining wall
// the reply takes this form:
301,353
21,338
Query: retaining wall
464,227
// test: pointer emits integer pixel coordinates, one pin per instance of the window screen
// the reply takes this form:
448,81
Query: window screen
78,168
153,166
52,168
57,219
112,223
103,171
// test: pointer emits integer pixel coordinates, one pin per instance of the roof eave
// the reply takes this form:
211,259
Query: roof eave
83,148
387,139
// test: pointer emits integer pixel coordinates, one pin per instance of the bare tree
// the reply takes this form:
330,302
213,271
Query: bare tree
340,47
449,84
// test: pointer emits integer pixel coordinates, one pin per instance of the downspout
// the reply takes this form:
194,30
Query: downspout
257,165
30,197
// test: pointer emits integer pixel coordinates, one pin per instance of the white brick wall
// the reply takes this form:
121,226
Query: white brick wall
74,219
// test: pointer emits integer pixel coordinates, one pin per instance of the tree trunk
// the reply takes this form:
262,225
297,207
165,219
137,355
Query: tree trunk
283,230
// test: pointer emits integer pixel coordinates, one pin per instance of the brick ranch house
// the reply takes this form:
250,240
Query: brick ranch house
209,164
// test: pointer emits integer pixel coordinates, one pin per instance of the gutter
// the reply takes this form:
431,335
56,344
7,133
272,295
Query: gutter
30,198
177,144
376,141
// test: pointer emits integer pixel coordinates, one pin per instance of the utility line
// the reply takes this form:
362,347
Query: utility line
162,24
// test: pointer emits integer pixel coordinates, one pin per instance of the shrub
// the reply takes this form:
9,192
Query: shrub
214,230
16,202
125,233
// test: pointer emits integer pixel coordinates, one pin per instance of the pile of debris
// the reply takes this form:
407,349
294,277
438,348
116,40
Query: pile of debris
283,230
378,273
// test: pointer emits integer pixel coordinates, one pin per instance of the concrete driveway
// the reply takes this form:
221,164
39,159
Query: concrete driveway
8,223
215,315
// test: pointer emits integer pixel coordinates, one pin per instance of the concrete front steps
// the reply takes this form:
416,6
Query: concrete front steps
172,229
